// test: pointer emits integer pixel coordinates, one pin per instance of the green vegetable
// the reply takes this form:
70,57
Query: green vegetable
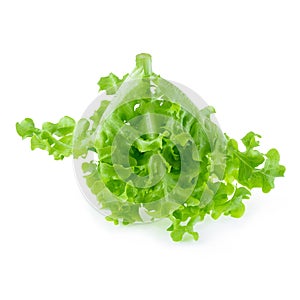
158,155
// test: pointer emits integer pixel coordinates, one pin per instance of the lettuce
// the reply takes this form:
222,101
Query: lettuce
158,155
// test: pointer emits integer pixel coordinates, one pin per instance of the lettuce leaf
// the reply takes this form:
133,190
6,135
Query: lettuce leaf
56,138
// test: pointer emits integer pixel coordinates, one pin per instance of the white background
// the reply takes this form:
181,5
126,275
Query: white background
243,57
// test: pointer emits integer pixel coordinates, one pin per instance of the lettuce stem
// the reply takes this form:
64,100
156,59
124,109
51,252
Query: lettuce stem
144,61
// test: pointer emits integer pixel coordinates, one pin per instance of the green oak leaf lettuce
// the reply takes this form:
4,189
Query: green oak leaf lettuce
158,155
